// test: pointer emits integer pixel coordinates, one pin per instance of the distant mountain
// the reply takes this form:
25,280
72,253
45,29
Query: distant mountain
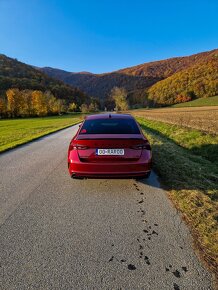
101,85
15,74
138,80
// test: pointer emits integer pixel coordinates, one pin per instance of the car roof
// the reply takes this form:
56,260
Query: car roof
108,116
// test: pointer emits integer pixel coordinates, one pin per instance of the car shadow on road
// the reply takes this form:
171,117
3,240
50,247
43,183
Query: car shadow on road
152,181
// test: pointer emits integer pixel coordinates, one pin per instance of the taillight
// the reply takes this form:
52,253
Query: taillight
81,147
142,146
77,147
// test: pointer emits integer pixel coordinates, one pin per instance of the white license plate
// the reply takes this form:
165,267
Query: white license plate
109,151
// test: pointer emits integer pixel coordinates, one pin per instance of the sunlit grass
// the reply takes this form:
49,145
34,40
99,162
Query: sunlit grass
14,132
211,101
190,177
198,142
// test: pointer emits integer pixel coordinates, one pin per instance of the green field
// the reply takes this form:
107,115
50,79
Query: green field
211,101
15,132
187,163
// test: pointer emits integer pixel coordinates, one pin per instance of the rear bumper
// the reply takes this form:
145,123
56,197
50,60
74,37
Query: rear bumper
77,168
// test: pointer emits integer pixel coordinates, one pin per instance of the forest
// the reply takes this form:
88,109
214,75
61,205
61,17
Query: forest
198,81
26,91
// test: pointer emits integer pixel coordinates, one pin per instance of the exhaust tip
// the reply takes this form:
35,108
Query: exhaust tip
74,176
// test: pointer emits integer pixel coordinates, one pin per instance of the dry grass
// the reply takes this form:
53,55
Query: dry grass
186,162
201,118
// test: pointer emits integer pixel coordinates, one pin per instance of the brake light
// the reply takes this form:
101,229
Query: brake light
81,147
142,146
77,147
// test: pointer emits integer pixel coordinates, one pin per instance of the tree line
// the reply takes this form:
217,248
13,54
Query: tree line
26,103
32,103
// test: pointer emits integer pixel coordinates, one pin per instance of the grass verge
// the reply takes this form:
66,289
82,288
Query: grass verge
15,132
211,101
197,142
190,179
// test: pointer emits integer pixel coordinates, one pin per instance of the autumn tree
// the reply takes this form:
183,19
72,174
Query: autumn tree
51,103
58,106
28,110
119,95
11,101
84,108
39,103
3,107
72,107
93,106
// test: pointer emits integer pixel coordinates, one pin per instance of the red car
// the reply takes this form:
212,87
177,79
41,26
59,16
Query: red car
109,145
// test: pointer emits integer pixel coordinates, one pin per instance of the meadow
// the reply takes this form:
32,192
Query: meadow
15,132
204,119
201,102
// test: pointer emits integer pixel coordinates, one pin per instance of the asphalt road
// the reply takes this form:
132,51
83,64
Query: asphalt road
59,233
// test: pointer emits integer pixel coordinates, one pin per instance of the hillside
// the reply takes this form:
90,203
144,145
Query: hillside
138,79
167,67
101,85
197,81
15,74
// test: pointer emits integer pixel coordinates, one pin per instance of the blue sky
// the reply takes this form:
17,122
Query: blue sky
105,35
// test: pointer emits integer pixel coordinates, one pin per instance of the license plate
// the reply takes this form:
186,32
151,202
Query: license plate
109,151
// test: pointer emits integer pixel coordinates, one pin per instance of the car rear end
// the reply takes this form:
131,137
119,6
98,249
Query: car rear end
109,145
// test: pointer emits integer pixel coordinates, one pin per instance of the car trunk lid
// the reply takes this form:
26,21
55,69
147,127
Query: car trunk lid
87,147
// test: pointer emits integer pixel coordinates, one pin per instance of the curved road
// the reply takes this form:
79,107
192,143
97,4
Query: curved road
59,233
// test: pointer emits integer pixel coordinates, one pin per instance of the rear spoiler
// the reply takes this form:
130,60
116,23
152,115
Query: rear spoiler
109,136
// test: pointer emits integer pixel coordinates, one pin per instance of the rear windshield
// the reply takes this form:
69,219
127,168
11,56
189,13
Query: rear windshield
110,126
